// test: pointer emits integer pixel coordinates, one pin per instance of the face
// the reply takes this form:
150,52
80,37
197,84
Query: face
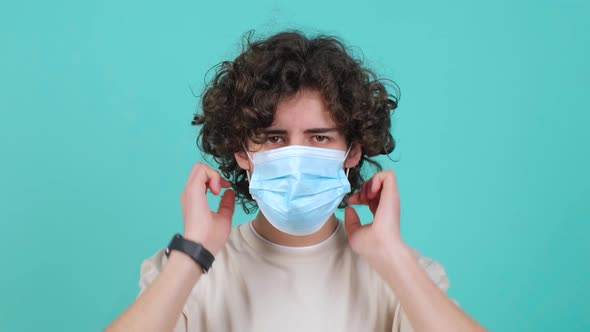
303,119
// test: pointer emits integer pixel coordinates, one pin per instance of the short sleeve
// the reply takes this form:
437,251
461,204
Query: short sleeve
150,268
437,274
435,271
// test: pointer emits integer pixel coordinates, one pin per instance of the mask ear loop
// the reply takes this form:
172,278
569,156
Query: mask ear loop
345,156
249,157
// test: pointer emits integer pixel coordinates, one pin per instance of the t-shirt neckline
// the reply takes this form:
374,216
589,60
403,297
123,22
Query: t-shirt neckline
265,248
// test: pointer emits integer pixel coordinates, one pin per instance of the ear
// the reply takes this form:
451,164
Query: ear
354,156
242,160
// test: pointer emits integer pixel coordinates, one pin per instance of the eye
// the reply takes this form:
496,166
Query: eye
274,139
321,138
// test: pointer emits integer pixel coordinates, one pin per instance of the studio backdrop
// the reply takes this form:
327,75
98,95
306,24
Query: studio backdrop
492,157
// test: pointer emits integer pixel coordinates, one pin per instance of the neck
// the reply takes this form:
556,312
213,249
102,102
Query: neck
269,232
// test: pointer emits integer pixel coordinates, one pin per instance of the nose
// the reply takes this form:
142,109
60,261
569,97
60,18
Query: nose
297,139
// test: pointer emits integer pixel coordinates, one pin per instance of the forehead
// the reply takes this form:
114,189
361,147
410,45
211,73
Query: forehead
305,109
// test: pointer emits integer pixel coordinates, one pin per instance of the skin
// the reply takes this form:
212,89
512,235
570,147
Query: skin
159,307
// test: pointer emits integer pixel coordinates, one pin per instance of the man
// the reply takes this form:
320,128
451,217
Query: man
290,122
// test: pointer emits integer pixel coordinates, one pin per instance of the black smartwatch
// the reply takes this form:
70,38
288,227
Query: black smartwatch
195,250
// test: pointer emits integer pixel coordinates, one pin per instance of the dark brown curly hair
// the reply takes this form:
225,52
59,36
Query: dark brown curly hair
241,100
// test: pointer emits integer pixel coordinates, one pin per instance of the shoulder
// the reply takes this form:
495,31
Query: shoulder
434,269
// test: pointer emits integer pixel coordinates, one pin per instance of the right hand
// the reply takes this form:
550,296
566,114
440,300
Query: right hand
202,225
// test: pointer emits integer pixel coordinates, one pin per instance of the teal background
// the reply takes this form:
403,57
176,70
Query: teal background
96,100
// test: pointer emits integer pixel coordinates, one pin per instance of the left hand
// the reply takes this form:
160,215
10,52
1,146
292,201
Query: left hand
374,241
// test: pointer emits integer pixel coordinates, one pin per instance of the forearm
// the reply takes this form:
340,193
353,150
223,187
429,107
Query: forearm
159,306
427,307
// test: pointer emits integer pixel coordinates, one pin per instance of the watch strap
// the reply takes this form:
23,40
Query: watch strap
194,250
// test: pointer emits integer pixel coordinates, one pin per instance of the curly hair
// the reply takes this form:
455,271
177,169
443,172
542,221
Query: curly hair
241,99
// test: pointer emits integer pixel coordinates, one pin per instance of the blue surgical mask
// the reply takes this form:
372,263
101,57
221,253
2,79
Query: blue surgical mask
297,188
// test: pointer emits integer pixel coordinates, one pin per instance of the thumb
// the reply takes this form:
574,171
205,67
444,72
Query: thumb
351,221
227,204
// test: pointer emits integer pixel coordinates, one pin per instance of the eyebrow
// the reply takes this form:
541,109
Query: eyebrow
307,131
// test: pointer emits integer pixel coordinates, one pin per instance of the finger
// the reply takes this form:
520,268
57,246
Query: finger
224,183
389,196
364,187
352,221
388,182
375,186
197,167
354,198
227,204
195,188
209,178
218,184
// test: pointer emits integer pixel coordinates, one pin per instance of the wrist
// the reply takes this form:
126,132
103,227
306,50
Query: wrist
194,250
183,262
390,256
203,240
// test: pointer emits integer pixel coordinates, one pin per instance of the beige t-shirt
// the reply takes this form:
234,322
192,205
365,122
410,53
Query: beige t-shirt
256,285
